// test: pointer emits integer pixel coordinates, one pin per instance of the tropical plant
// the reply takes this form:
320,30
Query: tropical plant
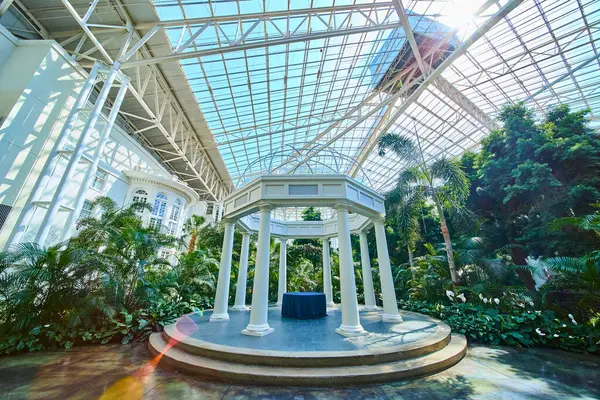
192,228
403,214
40,285
442,180
521,326
529,174
577,276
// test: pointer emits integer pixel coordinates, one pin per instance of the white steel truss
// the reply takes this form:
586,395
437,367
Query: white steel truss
285,90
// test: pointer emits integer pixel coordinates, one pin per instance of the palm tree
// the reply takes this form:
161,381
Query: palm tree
404,211
39,285
109,225
442,180
192,228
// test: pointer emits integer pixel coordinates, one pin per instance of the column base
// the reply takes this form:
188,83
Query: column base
370,308
330,304
219,317
258,330
351,331
240,308
278,304
391,318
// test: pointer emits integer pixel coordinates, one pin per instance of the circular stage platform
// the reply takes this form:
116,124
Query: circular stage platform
308,352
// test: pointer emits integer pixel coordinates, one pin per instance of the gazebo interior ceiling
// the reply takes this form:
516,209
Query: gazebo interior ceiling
309,86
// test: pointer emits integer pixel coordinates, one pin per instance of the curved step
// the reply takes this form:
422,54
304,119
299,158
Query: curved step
278,375
435,342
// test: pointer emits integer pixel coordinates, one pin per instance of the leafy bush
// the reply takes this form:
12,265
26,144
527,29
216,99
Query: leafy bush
107,284
124,328
525,327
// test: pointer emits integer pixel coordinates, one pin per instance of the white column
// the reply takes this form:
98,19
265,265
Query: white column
259,325
327,287
390,306
350,319
222,296
365,261
282,286
50,165
240,290
95,113
93,168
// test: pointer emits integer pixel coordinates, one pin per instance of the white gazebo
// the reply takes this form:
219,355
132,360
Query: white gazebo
358,208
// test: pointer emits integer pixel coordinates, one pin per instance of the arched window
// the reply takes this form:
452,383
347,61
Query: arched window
158,211
174,217
140,196
175,210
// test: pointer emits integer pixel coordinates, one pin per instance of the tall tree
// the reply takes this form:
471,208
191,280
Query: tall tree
442,180
528,174
403,213
192,228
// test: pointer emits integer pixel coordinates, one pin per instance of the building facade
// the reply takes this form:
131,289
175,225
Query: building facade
40,85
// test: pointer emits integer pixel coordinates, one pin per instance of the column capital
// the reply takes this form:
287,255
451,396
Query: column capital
378,219
226,221
265,207
342,206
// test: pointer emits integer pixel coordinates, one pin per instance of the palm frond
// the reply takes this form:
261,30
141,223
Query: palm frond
451,173
402,146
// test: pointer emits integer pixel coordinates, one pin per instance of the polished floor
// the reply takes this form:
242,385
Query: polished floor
127,372
309,335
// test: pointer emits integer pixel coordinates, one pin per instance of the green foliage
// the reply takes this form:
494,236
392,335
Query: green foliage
528,175
442,181
311,214
124,328
192,228
517,327
105,284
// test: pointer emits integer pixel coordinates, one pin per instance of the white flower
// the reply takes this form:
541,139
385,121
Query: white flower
531,303
572,319
497,300
462,297
540,332
564,325
450,294
571,337
480,296
485,300
521,305
556,335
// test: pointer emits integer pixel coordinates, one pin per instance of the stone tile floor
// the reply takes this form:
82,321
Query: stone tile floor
127,372
309,335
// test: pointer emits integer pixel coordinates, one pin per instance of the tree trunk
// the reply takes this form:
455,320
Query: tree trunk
448,243
411,261
411,258
192,244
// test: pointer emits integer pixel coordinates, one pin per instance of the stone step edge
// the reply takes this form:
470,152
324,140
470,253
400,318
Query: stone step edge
309,358
294,376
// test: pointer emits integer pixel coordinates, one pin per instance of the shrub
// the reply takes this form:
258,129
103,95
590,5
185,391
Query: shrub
525,327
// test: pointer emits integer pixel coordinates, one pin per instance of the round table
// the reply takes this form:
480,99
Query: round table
304,305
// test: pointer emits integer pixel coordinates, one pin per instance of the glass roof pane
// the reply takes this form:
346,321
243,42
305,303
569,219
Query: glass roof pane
310,91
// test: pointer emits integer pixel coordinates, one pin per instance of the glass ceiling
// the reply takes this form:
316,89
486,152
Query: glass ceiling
315,106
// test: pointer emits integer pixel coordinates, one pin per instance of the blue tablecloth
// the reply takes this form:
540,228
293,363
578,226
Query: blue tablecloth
305,305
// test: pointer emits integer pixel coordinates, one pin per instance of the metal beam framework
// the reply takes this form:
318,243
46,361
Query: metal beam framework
159,108
278,88
246,39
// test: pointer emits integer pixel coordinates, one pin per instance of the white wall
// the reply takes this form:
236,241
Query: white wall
40,82
8,43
